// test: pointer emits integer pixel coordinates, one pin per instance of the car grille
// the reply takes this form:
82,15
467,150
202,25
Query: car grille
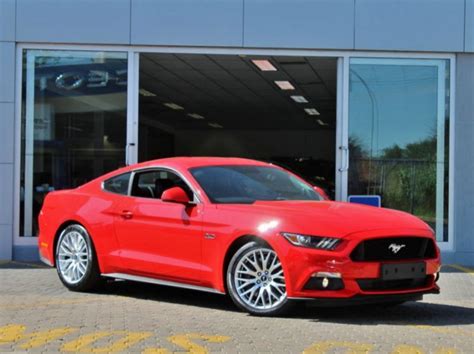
394,248
399,284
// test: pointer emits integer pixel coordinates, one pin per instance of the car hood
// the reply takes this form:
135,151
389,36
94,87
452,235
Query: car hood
326,218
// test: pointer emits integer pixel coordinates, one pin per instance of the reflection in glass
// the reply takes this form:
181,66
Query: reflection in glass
73,123
399,136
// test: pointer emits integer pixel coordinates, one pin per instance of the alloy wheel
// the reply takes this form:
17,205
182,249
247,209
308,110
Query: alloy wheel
73,256
259,280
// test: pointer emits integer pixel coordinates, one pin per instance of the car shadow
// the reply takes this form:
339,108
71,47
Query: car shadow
420,313
169,294
410,313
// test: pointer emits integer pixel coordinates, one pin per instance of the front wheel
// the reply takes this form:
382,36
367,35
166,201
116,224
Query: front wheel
256,281
76,260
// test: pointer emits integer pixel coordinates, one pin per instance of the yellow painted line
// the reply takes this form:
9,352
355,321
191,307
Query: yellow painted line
351,347
85,342
15,333
444,330
186,341
461,268
407,349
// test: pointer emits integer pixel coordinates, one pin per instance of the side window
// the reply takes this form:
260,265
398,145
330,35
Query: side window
152,184
118,184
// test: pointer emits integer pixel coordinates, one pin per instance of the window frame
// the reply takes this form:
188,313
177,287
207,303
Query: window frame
196,200
442,74
102,185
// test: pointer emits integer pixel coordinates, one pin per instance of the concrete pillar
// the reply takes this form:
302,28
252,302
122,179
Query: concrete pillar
7,125
464,162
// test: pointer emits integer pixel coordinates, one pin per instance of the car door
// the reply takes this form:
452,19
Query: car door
156,238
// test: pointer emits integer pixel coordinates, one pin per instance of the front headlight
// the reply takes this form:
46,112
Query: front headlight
318,242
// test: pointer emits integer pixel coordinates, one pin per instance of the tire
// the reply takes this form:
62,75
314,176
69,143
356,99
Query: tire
260,288
76,260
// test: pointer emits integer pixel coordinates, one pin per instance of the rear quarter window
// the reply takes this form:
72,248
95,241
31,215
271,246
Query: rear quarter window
118,184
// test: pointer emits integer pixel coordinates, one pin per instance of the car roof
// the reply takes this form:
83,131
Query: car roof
178,163
190,162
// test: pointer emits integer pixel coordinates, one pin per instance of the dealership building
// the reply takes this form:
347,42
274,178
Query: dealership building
371,98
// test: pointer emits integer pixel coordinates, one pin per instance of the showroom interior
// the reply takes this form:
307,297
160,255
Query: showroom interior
275,109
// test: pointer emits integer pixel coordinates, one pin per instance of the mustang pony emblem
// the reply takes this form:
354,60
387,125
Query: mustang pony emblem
395,248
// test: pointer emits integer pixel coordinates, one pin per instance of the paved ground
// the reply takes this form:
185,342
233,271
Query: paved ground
38,314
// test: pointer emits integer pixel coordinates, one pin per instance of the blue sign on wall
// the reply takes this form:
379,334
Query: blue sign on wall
372,200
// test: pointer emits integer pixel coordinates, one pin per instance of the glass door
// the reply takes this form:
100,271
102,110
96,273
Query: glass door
397,142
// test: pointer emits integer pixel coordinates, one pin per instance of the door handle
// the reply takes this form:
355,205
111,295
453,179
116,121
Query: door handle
127,214
345,158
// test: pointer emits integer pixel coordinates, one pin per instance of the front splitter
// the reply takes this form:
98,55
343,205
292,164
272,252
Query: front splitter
366,299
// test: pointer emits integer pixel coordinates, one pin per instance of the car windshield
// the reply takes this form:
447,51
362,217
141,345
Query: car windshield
247,184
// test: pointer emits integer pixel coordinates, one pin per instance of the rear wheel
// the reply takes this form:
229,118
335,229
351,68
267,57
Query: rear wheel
256,281
76,260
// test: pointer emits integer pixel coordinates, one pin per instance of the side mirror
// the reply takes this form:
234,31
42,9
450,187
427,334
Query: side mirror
321,192
175,195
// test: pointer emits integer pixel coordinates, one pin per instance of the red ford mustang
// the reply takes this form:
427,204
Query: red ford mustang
237,226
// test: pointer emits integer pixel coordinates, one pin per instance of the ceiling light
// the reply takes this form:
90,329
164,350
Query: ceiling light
285,85
195,116
320,122
215,125
312,112
146,93
264,65
299,99
173,106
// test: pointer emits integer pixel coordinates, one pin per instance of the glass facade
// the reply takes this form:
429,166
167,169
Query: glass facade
73,124
399,136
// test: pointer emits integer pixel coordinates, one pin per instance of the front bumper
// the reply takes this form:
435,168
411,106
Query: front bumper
352,276
361,281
